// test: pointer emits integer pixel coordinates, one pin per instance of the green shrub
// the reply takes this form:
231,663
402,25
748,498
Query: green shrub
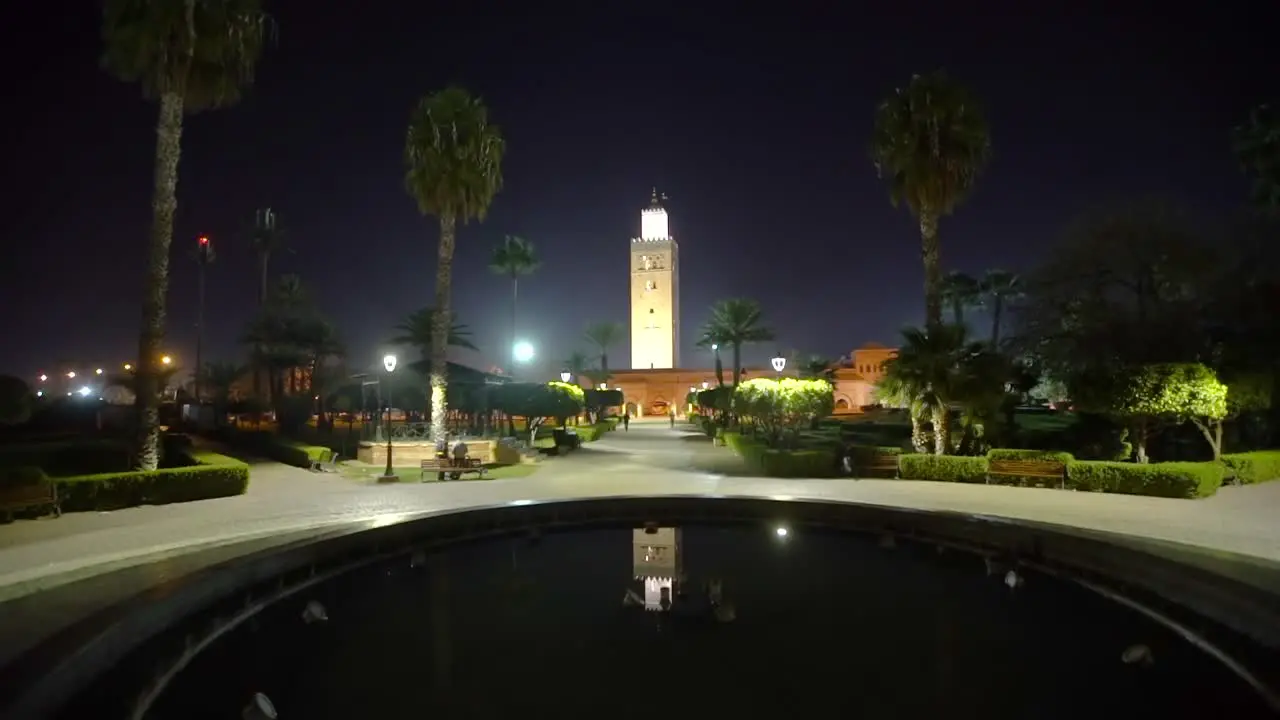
863,452
281,449
944,468
591,433
1249,468
1045,455
1172,479
209,476
812,463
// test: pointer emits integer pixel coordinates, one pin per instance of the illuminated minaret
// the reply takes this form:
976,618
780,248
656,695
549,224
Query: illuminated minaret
655,292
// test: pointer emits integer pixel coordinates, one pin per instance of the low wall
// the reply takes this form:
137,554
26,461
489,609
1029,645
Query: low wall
409,454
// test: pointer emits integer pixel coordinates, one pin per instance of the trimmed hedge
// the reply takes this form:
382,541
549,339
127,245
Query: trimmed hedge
1249,468
1046,455
281,449
1171,479
209,476
805,463
591,433
945,468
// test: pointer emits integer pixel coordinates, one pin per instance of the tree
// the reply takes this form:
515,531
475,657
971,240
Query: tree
453,156
999,287
219,378
925,377
931,142
537,401
604,335
961,291
16,401
1257,147
189,56
818,368
514,258
735,322
577,365
418,327
1148,396
267,238
780,409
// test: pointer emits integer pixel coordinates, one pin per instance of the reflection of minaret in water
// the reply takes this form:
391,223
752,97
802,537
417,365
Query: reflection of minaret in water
657,566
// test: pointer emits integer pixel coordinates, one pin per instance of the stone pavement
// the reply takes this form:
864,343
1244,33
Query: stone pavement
650,459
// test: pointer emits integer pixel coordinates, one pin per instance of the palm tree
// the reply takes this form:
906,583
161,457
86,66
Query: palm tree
604,335
1257,147
817,367
513,258
931,143
219,378
577,365
962,292
925,376
267,238
454,160
735,322
1000,286
418,330
189,56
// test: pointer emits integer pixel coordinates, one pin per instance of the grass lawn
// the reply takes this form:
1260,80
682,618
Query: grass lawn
362,471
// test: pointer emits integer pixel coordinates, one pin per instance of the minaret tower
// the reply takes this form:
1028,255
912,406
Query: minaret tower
655,292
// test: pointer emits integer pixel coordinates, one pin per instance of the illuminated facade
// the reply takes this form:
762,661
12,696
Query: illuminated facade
656,563
655,292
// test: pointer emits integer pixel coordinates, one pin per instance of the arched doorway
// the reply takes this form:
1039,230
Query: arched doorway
842,404
659,407
631,408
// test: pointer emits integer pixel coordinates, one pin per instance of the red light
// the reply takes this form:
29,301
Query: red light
204,241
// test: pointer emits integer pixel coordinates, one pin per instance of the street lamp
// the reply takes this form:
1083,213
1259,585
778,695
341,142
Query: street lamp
166,360
388,364
128,366
705,384
522,351
779,364
203,256
72,374
715,348
565,375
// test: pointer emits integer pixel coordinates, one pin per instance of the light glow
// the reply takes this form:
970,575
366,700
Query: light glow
564,376
71,374
780,532
166,360
522,351
128,366
653,224
43,378
84,391
98,371
779,363
389,362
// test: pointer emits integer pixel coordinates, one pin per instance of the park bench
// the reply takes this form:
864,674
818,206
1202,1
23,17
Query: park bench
22,495
440,465
1036,470
876,465
328,466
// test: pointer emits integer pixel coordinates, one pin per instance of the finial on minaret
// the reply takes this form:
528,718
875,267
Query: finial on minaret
653,199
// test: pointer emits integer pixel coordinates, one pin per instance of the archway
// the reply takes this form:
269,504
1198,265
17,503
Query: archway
631,408
842,403
659,407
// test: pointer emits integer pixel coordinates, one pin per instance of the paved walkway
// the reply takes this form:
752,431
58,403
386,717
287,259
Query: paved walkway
650,459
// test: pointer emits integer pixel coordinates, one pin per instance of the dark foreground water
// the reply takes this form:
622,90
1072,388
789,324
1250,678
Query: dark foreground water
825,625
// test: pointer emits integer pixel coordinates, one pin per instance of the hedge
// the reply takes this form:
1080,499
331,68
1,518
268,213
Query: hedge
1045,455
805,463
945,468
281,449
209,476
1171,479
591,433
1249,468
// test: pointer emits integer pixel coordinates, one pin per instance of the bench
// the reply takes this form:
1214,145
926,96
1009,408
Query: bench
20,496
1046,470
329,466
440,466
876,465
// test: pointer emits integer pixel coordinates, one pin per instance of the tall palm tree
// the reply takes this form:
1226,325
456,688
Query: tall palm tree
931,143
1000,286
962,291
512,259
190,56
218,378
604,335
266,238
734,323
577,365
453,156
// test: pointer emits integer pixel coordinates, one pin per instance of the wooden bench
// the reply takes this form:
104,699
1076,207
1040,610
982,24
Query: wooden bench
441,466
328,466
1045,470
877,465
23,495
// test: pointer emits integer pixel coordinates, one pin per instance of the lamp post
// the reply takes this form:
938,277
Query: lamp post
705,384
565,375
779,364
204,256
715,348
388,364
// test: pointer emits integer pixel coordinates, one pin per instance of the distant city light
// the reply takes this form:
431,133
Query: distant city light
84,391
128,366
781,532
39,393
166,360
71,374
43,378
98,371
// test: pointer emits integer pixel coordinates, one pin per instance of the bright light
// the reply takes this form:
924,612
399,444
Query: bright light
564,376
43,378
693,389
779,363
39,393
705,384
602,386
653,224
84,391
204,240
128,366
714,347
98,371
389,362
781,532
522,352
71,374
166,360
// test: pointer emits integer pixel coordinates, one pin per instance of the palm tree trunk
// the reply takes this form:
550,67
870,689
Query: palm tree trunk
515,303
931,255
997,306
941,430
737,364
440,327
164,202
919,442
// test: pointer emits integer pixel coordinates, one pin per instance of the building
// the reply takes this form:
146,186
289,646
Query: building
656,564
656,384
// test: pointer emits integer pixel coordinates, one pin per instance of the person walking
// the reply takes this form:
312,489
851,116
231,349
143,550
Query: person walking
626,421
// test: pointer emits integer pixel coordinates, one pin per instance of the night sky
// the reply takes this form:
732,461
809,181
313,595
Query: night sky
756,125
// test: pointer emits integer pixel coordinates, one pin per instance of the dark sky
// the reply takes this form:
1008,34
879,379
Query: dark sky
755,124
